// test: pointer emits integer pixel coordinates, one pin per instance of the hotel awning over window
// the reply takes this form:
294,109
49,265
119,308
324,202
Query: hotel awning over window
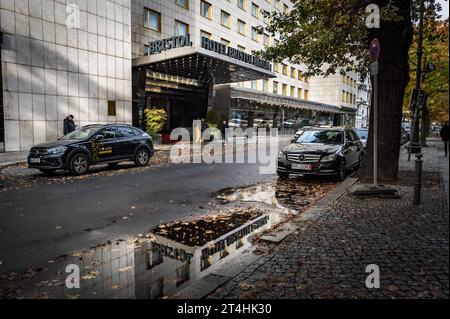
202,65
282,101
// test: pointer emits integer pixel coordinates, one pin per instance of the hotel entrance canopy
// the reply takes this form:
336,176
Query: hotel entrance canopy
202,65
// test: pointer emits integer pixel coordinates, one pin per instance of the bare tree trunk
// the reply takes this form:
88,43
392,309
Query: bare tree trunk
395,38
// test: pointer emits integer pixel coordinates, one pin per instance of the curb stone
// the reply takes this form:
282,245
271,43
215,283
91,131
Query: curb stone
8,164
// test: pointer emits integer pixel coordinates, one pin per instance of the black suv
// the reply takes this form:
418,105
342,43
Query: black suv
90,145
321,151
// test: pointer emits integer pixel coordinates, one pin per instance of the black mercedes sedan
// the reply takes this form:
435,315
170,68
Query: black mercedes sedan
321,151
91,145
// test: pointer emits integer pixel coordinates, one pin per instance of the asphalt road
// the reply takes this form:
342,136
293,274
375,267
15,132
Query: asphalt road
44,221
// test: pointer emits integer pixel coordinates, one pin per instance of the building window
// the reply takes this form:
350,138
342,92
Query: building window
285,9
152,20
292,91
204,34
241,27
278,4
146,49
152,259
306,79
275,87
285,69
255,34
299,93
266,85
293,72
285,91
183,3
255,10
300,75
225,19
241,4
254,85
277,67
306,94
181,28
183,274
343,96
206,9
266,39
111,108
241,48
225,41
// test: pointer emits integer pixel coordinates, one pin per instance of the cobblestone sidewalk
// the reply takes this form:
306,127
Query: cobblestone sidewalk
328,258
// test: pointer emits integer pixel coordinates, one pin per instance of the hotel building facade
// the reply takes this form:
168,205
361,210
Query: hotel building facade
106,61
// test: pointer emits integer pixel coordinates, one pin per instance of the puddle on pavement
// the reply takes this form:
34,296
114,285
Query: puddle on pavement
172,256
292,195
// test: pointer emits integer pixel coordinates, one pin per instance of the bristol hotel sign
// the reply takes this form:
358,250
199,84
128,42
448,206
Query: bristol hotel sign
156,47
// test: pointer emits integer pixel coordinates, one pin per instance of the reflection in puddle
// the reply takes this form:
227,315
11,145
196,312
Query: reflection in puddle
292,195
151,267
174,256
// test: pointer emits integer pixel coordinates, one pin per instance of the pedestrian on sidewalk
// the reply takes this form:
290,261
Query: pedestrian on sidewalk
445,135
223,129
69,125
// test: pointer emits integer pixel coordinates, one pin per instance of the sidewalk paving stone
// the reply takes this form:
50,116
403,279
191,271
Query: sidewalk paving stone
327,257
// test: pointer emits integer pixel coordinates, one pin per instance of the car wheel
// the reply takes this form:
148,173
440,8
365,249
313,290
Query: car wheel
142,157
342,174
283,174
79,164
48,171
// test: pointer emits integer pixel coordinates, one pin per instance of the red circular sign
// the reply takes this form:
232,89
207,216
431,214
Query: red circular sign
374,50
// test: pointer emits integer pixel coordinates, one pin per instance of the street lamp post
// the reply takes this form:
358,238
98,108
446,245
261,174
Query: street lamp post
414,146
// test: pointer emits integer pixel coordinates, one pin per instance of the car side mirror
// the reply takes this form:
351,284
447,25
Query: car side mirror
98,137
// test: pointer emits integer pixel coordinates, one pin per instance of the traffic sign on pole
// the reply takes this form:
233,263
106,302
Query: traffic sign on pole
375,190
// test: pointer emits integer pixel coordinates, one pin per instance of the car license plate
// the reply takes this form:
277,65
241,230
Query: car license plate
304,167
35,160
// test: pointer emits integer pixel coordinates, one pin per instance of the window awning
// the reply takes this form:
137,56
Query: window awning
202,65
282,101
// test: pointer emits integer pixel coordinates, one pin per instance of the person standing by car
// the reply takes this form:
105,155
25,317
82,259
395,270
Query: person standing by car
445,135
69,125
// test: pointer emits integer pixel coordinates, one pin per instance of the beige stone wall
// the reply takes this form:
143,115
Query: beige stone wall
51,69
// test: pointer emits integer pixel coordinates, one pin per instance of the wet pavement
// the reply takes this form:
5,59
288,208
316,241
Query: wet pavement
168,259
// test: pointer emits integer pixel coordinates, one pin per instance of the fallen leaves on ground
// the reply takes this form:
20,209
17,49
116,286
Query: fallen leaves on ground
91,275
200,231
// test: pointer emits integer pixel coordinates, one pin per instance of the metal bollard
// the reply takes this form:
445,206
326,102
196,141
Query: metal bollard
418,179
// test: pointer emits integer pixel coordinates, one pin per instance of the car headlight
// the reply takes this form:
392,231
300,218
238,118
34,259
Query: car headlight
329,158
56,150
281,155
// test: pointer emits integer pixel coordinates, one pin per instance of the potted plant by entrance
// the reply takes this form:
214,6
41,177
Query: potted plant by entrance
212,121
155,120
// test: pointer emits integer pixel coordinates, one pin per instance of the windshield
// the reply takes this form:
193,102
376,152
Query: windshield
321,137
362,134
80,134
